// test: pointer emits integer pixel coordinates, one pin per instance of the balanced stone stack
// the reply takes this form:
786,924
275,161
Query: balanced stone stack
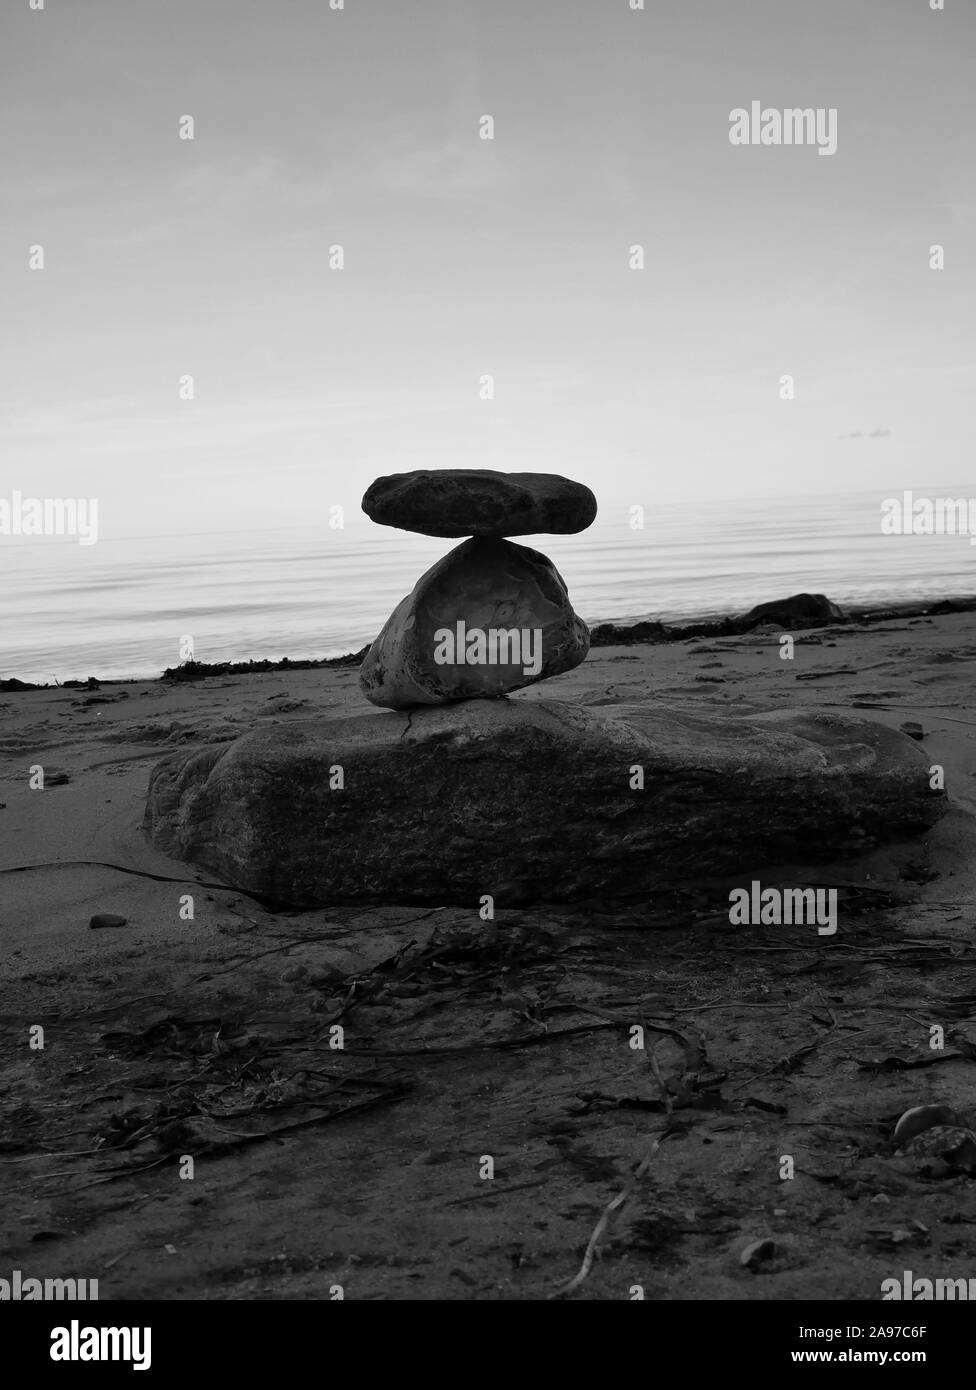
530,801
490,616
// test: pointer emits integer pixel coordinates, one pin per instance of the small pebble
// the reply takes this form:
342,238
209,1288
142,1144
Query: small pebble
913,730
756,1252
919,1119
107,919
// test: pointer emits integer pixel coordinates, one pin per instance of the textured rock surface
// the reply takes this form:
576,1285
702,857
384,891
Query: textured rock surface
530,800
480,502
488,585
796,610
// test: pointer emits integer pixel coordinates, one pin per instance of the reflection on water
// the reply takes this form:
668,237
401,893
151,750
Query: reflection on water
119,608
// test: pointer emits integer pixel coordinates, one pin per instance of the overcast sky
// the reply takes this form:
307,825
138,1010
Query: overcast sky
466,257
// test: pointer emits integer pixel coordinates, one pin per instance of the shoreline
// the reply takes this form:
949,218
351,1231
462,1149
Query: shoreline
637,631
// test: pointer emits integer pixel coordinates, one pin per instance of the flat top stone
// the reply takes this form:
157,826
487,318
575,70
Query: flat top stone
480,502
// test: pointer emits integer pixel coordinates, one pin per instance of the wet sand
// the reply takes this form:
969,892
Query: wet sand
465,1039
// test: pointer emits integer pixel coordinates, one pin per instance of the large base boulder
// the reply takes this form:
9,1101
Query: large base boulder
531,801
487,618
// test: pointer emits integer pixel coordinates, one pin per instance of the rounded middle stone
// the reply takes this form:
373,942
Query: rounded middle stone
488,618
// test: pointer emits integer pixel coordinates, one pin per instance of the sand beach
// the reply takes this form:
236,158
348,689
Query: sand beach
315,1167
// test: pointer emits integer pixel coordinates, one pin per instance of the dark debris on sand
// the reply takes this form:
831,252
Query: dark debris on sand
511,1039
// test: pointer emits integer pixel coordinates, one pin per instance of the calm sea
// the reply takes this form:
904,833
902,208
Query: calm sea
120,608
